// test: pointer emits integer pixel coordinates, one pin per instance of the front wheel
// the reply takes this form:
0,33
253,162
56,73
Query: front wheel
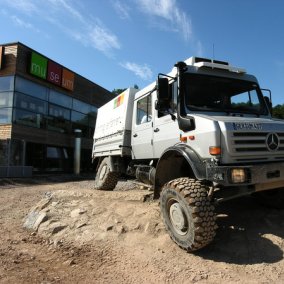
187,213
105,179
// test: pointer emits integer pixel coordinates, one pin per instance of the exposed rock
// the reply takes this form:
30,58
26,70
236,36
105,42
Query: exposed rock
42,204
34,219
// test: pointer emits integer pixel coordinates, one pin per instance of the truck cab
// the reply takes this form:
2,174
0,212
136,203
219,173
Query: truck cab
200,135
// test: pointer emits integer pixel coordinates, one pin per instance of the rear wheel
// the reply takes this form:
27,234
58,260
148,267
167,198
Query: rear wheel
105,179
187,213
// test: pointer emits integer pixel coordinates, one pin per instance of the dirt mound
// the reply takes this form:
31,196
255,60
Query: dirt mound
82,217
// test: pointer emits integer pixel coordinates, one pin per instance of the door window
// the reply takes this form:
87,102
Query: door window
144,110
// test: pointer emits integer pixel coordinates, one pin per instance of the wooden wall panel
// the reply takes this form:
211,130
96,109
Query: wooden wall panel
9,60
5,131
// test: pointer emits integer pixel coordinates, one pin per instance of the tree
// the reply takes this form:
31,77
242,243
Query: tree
119,91
278,111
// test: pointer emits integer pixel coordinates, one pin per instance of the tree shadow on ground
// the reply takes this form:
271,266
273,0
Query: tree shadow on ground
248,233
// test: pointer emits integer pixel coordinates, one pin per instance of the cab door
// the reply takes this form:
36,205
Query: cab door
166,132
142,128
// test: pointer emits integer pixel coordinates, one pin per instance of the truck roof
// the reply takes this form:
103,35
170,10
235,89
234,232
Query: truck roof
198,64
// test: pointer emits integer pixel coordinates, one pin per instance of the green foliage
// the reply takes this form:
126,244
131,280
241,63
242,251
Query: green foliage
278,111
119,91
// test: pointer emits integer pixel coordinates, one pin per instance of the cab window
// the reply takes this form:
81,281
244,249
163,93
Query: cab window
144,110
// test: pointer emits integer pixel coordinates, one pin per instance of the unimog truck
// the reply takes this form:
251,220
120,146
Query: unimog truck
200,135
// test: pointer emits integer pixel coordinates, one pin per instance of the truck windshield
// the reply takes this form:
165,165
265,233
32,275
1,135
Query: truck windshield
219,94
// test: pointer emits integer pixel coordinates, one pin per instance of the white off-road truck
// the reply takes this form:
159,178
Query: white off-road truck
200,135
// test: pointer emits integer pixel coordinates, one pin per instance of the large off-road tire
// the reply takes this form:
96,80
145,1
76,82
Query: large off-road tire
187,213
271,198
105,179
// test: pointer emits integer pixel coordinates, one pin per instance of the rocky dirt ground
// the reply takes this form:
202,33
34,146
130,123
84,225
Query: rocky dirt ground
90,236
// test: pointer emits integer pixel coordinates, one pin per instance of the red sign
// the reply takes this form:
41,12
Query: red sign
54,73
1,56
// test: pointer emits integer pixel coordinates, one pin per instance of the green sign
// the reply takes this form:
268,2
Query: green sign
38,65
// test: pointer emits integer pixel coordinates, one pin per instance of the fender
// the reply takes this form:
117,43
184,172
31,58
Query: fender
178,161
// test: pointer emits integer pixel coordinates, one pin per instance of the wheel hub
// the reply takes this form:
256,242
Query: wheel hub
178,219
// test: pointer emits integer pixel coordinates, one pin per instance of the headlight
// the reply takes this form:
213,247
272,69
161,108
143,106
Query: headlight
238,175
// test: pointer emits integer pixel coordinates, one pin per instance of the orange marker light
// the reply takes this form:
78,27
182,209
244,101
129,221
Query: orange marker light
191,137
183,139
214,150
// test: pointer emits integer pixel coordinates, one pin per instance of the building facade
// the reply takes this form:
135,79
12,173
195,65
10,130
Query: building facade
41,104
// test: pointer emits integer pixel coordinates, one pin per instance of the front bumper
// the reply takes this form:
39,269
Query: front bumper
261,176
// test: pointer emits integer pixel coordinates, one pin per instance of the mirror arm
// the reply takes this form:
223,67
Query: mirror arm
165,75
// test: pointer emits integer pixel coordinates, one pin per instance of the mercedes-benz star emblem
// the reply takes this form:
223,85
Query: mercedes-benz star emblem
272,141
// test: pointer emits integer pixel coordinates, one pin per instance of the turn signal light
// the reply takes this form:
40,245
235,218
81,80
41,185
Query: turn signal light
183,139
213,150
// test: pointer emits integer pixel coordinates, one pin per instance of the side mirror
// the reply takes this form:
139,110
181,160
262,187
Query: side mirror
268,103
163,94
268,99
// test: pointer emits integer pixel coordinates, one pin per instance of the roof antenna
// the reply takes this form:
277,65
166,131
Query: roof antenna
213,50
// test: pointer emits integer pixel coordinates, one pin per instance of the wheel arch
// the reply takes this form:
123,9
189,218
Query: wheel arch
178,161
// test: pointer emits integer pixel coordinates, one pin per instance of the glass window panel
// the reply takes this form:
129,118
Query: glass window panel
6,99
94,109
80,121
53,152
92,120
59,112
29,103
5,115
30,88
6,83
144,110
79,118
28,118
60,99
80,106
58,124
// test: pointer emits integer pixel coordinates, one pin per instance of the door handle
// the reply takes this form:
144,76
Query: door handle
156,130
135,135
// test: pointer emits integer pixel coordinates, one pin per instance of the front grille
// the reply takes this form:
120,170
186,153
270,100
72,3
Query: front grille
254,142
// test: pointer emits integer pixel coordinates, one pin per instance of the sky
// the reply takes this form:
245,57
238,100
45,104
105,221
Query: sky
122,43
